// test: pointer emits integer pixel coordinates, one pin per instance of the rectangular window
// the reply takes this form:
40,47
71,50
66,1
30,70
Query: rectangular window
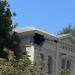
49,65
63,63
42,61
68,64
42,56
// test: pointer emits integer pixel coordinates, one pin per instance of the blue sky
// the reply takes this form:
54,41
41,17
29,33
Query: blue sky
49,15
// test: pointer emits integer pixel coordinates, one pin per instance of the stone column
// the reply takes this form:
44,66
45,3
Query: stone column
57,59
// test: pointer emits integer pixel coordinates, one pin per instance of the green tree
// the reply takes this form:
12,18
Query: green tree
68,30
22,66
8,38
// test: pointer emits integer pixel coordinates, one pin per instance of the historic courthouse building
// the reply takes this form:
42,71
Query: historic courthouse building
57,52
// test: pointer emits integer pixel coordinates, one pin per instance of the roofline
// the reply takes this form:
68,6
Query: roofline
33,29
63,36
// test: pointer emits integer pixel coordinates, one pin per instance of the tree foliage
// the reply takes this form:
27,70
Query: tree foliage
8,38
22,66
68,30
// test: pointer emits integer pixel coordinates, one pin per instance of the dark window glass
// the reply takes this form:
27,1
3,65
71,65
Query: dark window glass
42,56
49,65
42,60
63,64
68,64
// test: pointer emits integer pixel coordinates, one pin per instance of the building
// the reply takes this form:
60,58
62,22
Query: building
58,52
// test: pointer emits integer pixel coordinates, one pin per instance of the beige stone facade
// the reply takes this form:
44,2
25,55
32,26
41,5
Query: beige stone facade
57,52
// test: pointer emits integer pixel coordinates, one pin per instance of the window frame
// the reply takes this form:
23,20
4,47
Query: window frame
50,59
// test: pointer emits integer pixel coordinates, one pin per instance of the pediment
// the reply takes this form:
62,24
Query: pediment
67,38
